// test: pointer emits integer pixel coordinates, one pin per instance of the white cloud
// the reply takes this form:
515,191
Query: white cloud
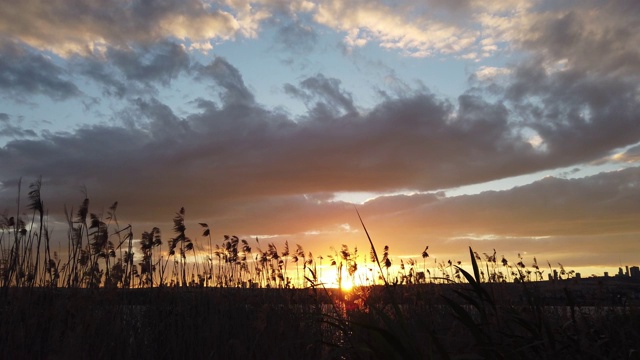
204,47
393,28
82,26
490,72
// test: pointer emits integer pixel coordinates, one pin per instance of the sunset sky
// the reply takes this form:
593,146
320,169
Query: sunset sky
511,124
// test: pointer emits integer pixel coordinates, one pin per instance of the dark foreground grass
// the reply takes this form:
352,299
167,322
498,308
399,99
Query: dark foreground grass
158,324
457,321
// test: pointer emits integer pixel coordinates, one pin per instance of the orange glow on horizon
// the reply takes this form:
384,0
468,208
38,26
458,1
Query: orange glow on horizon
363,277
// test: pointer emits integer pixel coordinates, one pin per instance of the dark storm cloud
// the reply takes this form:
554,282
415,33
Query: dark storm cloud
24,73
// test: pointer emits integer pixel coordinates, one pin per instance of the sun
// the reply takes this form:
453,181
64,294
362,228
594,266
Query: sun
330,280
347,286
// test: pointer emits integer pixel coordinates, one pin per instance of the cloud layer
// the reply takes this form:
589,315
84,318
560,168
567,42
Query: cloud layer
254,168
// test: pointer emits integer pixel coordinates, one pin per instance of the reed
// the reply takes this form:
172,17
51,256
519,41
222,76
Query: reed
101,253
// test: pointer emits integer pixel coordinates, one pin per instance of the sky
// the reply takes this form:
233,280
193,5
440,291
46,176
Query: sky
509,125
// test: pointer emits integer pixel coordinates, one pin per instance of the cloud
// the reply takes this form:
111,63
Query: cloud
470,29
163,62
570,109
485,73
577,30
415,141
162,124
561,95
552,218
7,129
407,28
86,26
296,37
204,47
552,206
566,219
332,99
252,168
228,78
135,70
631,155
24,73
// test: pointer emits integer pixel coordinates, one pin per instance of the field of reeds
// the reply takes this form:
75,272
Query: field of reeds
115,294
